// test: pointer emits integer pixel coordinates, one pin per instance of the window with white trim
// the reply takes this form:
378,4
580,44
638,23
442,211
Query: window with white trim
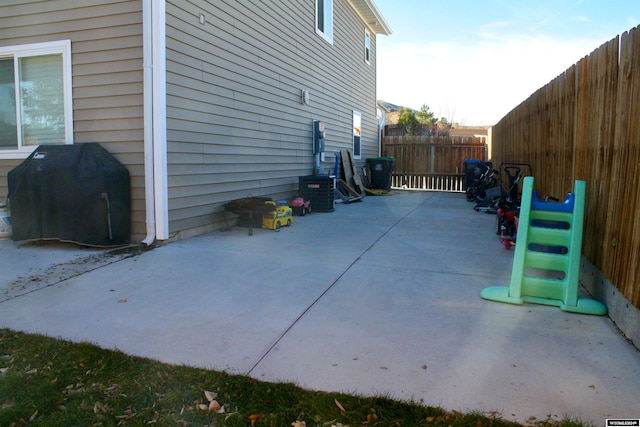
324,19
35,96
357,134
367,47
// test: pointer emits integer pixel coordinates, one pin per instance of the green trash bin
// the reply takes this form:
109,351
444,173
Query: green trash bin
380,169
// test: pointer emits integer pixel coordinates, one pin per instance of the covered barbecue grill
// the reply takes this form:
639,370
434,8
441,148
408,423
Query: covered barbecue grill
77,193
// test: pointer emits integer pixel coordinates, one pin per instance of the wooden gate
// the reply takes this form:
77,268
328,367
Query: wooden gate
431,163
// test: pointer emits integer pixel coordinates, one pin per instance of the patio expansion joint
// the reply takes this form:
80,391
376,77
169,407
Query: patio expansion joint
314,302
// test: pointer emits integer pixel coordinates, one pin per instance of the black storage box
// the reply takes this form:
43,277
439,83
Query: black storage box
380,170
319,189
78,193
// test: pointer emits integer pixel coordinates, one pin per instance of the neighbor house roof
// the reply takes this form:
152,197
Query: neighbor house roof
469,131
370,14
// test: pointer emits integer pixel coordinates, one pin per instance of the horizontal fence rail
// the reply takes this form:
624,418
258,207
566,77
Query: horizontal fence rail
431,163
417,130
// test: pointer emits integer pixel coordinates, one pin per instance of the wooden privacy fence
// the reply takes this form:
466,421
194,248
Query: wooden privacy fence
431,163
585,124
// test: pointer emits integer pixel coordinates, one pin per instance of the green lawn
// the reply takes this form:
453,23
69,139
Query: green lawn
51,382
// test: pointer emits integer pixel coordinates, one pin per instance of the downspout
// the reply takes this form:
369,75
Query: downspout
147,60
160,173
382,121
155,112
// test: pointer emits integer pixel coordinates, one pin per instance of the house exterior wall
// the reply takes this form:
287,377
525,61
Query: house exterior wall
106,46
236,125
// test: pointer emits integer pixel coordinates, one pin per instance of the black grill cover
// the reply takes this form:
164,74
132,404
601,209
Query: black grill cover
77,193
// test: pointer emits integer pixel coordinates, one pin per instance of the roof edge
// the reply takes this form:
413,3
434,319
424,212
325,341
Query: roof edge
380,25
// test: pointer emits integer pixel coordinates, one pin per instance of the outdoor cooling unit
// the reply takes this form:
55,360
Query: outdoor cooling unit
319,189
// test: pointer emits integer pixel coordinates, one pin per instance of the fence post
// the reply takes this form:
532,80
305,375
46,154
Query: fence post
432,152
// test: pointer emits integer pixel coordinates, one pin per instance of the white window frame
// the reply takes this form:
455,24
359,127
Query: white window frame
357,135
60,47
367,47
326,7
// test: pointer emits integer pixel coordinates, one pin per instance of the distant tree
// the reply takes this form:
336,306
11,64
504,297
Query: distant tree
446,123
426,116
449,114
408,118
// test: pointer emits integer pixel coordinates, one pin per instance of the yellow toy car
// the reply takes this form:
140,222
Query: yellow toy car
281,216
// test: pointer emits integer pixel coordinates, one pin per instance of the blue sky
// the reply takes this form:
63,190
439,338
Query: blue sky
473,61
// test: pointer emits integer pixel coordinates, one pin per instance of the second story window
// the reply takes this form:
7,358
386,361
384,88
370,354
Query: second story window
367,47
324,19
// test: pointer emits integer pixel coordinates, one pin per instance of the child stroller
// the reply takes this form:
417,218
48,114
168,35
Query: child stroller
508,209
485,188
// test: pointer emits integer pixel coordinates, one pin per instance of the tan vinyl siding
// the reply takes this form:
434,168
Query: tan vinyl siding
106,45
236,126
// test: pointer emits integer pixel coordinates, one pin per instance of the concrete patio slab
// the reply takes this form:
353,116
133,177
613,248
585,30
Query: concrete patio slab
378,297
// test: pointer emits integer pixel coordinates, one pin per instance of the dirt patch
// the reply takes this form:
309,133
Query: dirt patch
39,278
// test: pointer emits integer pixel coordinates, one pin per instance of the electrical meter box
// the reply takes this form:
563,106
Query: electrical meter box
318,137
